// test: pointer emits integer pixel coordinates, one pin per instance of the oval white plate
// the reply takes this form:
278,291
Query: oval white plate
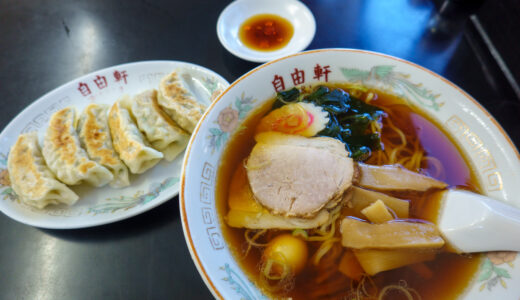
491,153
238,11
98,206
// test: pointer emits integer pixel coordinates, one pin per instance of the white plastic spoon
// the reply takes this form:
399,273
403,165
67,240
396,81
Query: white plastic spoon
474,223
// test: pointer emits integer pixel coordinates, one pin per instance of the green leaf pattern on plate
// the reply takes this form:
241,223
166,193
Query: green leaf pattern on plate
112,205
211,84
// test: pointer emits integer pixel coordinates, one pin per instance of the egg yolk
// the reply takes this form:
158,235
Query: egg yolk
287,250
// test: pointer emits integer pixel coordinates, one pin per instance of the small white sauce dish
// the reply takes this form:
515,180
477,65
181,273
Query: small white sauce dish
238,11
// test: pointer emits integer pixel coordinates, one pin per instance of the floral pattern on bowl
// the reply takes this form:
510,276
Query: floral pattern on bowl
228,120
385,78
491,274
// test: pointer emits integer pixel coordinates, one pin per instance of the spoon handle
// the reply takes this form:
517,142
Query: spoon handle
475,223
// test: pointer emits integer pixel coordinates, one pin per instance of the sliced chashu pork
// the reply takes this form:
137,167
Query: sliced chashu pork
297,176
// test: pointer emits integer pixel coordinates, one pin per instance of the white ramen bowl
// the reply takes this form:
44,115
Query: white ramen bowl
492,155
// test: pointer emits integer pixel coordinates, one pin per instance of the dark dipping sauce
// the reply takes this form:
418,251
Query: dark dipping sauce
452,272
265,32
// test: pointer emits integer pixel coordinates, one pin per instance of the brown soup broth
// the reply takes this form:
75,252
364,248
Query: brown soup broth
451,272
